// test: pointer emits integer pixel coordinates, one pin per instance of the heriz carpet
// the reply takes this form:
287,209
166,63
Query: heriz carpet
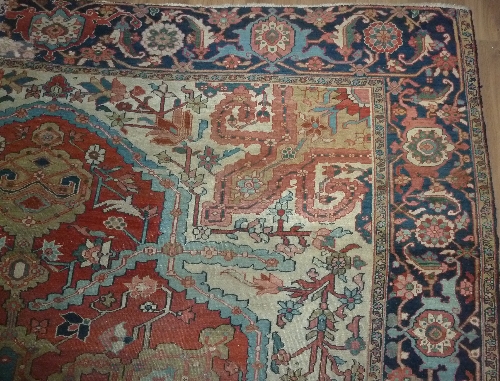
250,193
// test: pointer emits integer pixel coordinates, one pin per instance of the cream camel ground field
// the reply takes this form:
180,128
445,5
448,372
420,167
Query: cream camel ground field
486,16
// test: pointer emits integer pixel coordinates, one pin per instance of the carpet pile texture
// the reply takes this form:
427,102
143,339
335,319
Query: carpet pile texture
243,193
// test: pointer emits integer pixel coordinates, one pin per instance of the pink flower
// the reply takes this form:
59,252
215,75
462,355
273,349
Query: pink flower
319,238
118,91
289,250
231,62
315,64
466,288
406,287
223,18
313,126
142,288
445,61
231,367
319,17
272,262
98,53
82,119
21,113
267,284
209,252
450,114
39,326
281,358
312,273
186,315
137,91
228,255
328,37
402,374
435,231
188,282
52,107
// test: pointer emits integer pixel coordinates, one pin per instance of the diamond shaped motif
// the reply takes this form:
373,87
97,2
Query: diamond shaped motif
42,162
33,204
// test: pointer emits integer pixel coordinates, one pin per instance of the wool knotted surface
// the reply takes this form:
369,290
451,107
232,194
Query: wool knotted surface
243,193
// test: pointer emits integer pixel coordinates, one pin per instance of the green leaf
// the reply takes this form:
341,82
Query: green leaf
315,314
231,152
339,232
24,80
274,367
103,108
180,150
288,197
311,335
277,342
147,120
238,223
316,295
329,335
163,157
358,263
339,361
393,332
329,315
97,233
6,98
319,263
90,87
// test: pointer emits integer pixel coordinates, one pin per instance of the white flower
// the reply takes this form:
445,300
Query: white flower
56,30
95,154
94,255
9,47
154,60
201,232
115,338
162,39
28,221
3,6
29,54
149,307
50,250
